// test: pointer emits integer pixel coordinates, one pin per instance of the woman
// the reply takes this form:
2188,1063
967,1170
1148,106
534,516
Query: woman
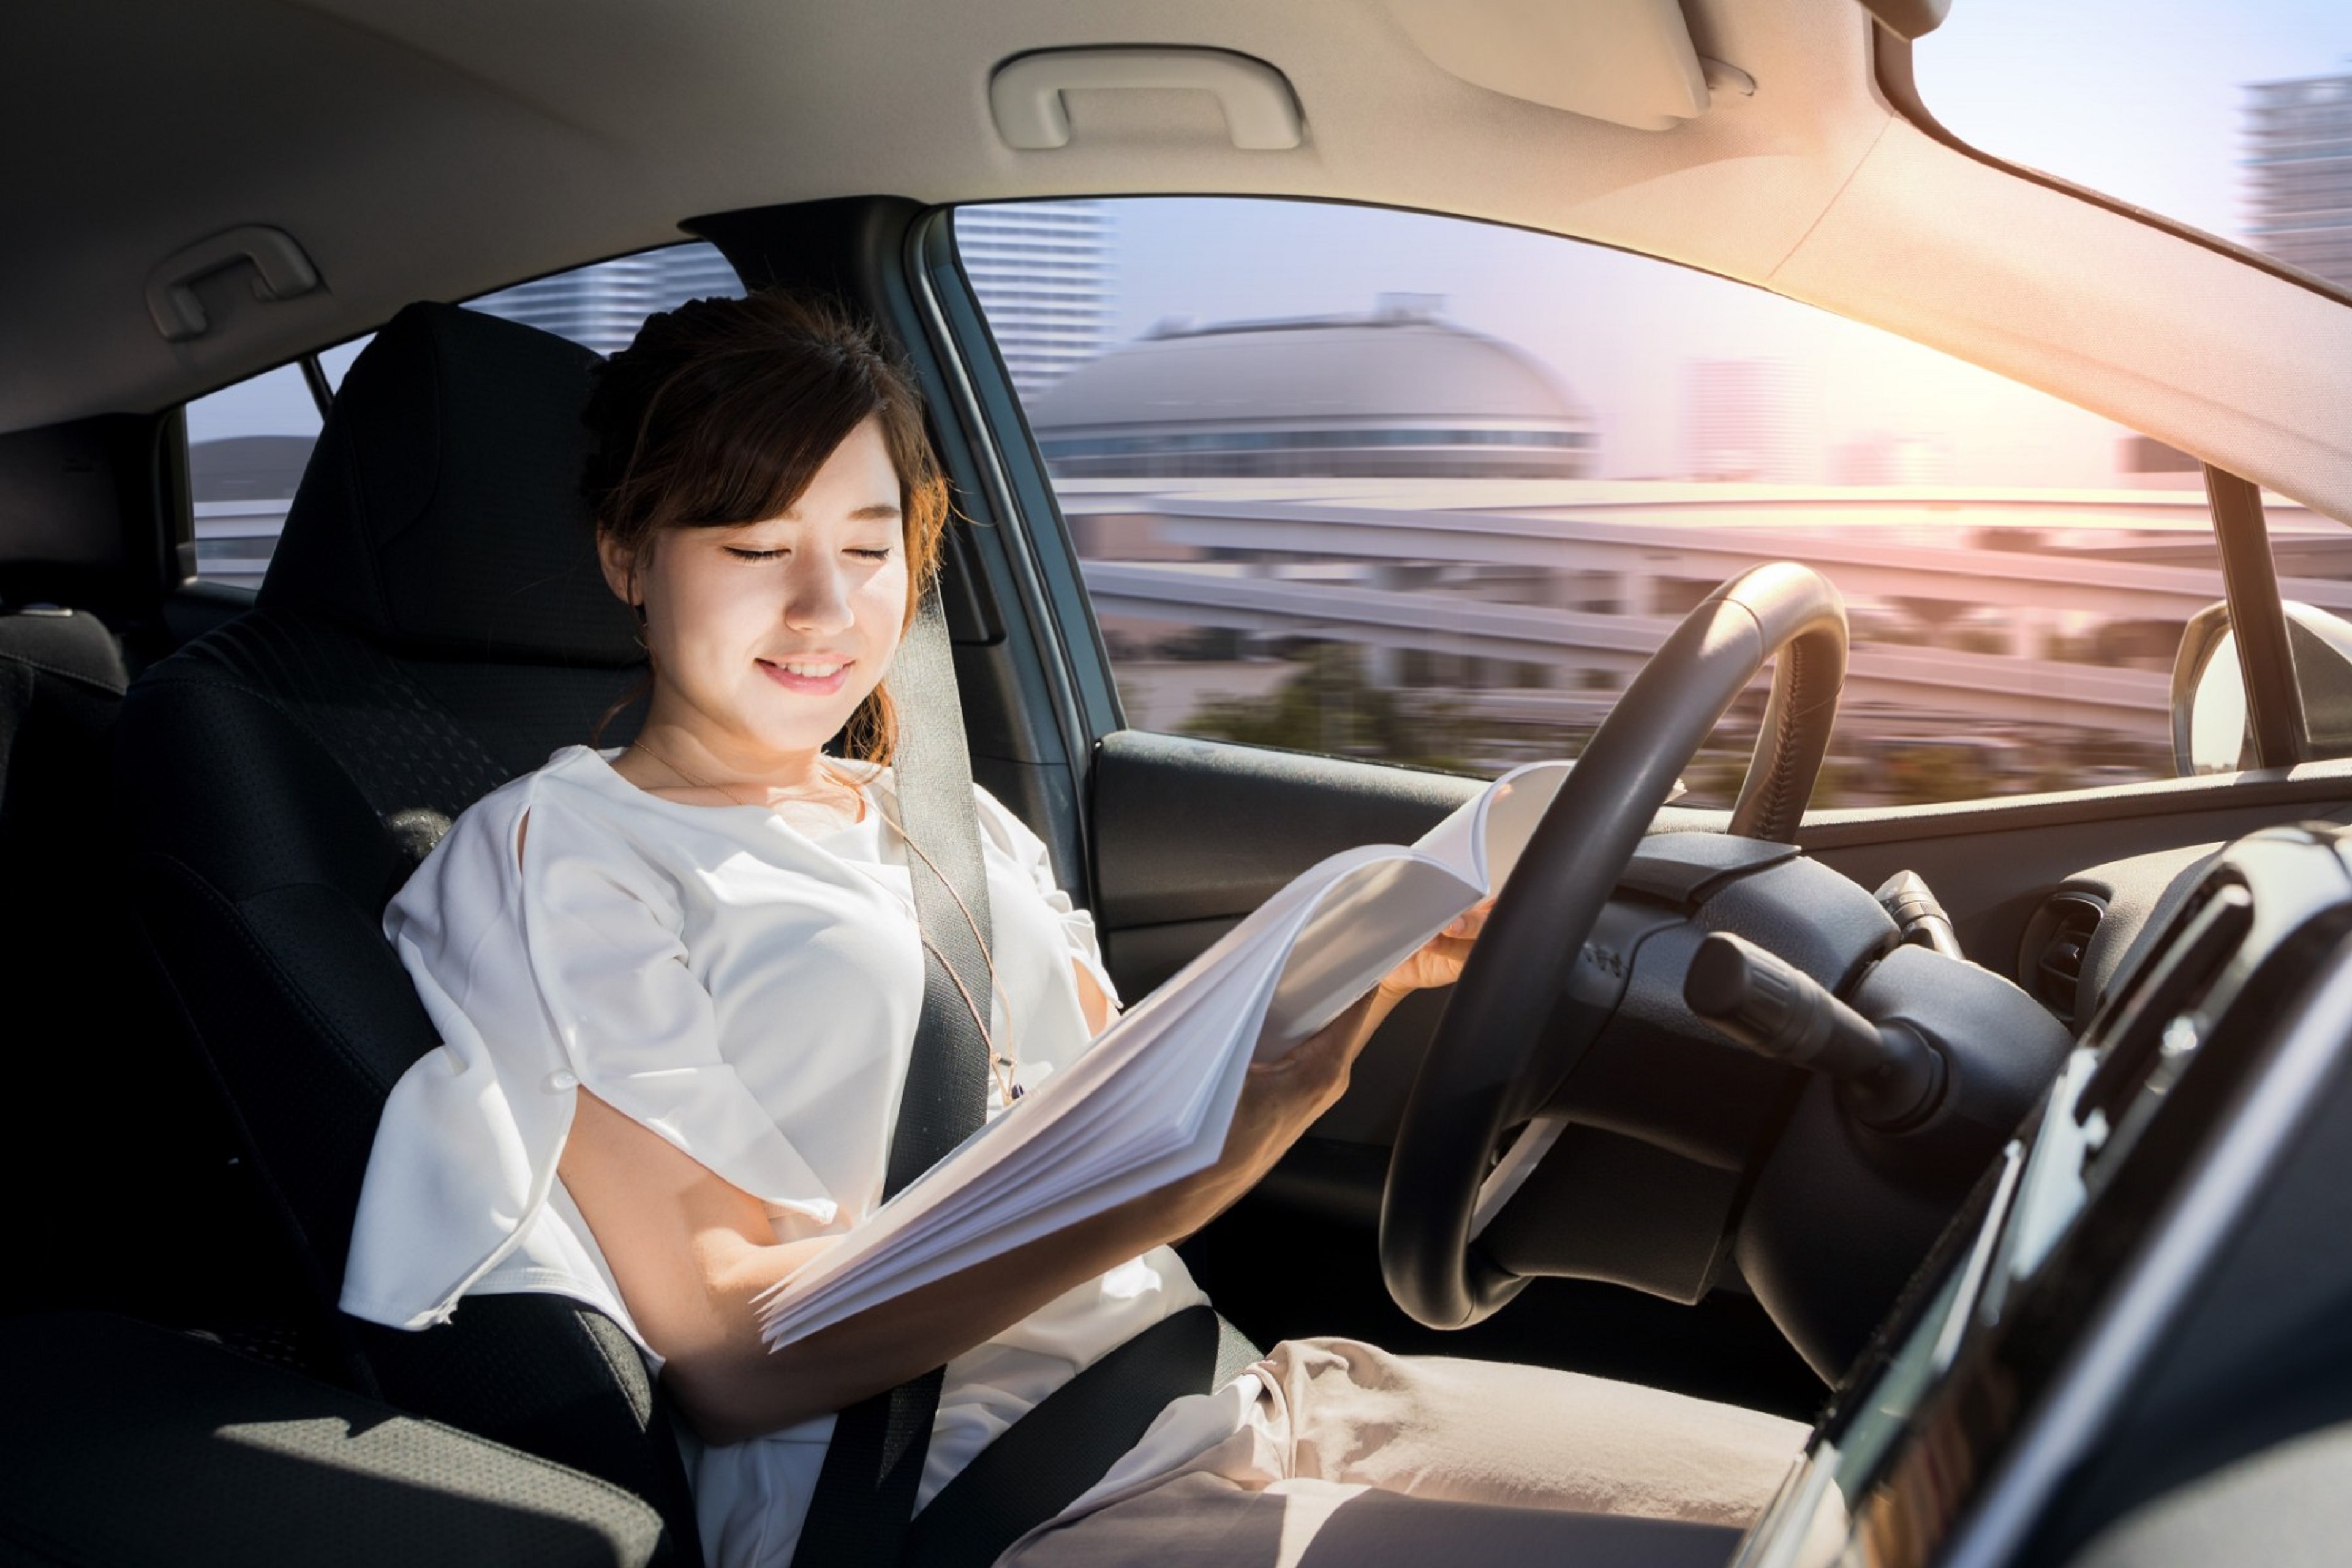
678,984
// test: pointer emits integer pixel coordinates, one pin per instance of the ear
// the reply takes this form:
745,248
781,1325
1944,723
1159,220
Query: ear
620,565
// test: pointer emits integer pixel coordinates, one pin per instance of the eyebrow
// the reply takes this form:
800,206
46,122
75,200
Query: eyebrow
885,511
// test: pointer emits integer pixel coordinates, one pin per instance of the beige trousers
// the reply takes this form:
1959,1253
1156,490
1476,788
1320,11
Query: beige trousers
1353,1456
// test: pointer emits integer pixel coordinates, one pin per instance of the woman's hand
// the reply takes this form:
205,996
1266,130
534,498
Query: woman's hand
1282,1099
1439,960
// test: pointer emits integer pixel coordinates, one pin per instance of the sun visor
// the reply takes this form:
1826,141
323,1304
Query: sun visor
1627,61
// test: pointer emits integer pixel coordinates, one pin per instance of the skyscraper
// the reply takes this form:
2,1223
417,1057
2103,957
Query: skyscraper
1043,274
602,306
1745,421
2299,171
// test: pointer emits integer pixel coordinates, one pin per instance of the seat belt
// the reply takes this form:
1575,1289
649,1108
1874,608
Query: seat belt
865,1493
859,1514
1069,1440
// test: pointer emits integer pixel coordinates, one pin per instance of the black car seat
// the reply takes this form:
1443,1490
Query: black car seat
61,680
432,625
98,1033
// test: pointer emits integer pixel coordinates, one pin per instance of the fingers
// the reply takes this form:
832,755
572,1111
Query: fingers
1470,921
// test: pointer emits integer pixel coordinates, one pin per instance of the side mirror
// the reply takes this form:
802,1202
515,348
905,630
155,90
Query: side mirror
2210,732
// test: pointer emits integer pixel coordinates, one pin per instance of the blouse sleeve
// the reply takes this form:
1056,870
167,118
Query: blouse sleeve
562,969
1028,851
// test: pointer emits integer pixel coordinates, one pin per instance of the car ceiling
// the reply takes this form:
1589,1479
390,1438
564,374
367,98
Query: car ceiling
440,148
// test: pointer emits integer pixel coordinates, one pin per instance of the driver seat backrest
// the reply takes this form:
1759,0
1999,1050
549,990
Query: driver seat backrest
433,624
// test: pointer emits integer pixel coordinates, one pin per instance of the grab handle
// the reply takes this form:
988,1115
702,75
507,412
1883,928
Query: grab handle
280,272
1025,93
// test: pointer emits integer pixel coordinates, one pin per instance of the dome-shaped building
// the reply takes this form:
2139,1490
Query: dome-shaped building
1397,392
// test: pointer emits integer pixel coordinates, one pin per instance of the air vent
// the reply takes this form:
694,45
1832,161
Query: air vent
2057,940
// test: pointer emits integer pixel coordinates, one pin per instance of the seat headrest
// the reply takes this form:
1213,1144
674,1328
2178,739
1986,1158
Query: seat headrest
441,511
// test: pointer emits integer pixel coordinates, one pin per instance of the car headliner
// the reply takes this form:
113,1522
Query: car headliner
440,148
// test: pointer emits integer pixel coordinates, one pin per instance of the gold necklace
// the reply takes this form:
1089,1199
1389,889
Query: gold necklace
1005,1067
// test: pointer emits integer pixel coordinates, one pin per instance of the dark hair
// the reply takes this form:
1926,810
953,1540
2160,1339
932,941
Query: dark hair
722,411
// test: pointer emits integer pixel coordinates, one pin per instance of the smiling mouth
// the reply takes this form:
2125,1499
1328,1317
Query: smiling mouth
817,675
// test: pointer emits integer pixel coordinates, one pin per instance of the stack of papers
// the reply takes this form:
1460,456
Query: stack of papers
1149,1102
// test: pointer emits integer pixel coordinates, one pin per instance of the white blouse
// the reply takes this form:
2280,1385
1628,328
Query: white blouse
746,990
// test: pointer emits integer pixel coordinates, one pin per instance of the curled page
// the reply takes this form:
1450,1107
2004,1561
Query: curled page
1150,1102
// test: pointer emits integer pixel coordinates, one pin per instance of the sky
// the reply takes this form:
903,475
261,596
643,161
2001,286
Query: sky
2140,98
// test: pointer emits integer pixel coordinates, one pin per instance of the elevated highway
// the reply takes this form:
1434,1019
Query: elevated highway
1603,541
1963,686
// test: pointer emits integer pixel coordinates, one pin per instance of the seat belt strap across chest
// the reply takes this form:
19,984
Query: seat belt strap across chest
866,1491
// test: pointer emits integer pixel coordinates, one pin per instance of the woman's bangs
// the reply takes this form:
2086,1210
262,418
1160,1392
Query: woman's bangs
755,455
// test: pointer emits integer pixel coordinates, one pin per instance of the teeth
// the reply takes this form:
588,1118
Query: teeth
809,671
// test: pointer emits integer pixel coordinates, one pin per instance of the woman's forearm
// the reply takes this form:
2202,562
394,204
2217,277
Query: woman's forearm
731,1387
747,1390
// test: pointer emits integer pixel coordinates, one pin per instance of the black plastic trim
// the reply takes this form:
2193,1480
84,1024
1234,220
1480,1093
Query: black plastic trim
2326,783
974,379
2265,658
1021,467
314,376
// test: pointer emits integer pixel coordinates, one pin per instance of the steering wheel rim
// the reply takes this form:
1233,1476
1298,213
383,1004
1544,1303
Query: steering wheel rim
1477,1077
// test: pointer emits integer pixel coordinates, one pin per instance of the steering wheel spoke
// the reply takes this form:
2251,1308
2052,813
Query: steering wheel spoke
1516,1026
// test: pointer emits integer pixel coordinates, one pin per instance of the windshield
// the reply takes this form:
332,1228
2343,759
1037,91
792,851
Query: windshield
2231,116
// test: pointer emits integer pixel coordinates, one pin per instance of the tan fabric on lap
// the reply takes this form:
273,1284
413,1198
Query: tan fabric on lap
1206,1521
1349,1451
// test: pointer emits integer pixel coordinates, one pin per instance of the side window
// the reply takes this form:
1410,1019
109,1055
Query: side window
1428,491
247,447
247,443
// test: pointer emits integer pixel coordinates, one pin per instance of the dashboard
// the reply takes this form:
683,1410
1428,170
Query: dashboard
2141,1288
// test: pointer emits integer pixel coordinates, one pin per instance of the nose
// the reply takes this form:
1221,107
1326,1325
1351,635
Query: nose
817,595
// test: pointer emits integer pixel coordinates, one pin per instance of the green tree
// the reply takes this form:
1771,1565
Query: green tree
1330,707
1922,776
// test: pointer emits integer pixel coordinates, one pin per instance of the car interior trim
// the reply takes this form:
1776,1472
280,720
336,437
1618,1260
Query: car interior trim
1630,62
2198,1219
1030,516
2265,662
2327,781
1010,519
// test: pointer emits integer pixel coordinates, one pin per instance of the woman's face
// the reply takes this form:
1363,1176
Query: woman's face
766,636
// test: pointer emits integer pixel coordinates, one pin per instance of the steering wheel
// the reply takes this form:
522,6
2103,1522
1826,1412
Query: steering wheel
1490,1065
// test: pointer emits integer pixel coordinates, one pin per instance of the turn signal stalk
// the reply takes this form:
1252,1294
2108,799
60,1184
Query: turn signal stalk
1892,1078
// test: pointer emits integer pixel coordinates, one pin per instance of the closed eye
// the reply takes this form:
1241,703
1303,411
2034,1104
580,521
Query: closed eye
881,552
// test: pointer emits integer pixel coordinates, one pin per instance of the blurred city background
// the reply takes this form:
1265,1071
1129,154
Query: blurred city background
1428,491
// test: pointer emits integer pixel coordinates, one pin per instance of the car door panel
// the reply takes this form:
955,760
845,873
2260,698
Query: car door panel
1190,836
